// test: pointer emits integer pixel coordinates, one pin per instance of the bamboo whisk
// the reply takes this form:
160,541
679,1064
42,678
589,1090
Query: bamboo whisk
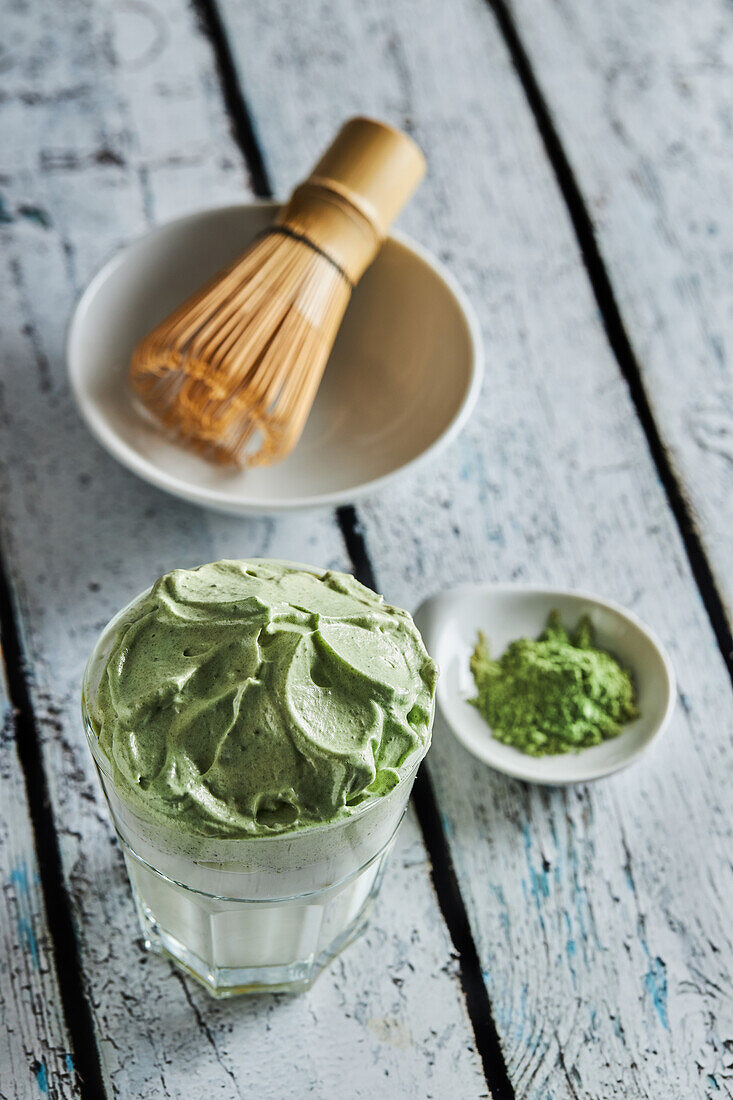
233,372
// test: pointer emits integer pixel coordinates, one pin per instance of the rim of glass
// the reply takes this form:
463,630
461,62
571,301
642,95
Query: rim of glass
103,763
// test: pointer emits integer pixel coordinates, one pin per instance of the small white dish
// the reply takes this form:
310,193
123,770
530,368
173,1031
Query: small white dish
402,379
449,623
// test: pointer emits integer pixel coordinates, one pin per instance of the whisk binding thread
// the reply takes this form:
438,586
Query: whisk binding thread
288,232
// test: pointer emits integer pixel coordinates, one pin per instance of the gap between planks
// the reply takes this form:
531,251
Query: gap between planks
443,875
445,880
615,329
77,1012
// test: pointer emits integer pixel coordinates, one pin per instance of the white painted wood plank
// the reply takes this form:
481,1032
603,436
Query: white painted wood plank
602,914
114,118
641,97
35,1052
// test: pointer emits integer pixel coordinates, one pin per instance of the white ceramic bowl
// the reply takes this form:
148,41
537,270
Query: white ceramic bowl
449,623
402,378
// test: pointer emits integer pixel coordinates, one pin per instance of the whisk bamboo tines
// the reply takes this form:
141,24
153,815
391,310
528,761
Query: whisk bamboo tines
233,372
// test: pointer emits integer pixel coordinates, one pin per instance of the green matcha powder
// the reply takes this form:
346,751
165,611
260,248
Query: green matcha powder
554,695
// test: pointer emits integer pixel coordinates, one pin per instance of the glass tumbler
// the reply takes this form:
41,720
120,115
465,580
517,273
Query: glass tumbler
247,914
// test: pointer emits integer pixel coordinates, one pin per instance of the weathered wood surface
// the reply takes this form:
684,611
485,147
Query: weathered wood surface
35,1053
601,915
641,97
113,118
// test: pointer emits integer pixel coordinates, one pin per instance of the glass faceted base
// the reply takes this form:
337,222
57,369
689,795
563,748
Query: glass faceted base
235,946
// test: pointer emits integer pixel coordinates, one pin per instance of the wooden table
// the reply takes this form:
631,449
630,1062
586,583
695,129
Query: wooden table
535,943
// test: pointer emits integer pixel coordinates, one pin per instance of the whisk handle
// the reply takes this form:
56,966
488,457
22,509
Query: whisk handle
355,191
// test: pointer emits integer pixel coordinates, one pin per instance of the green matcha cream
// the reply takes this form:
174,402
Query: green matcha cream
257,727
556,694
248,697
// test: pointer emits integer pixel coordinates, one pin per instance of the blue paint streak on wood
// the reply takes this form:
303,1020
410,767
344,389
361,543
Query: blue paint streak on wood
713,1082
519,1027
36,215
42,1078
571,949
69,1063
539,882
19,879
28,936
582,905
503,909
26,931
655,981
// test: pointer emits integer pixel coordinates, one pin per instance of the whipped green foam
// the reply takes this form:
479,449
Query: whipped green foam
252,697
